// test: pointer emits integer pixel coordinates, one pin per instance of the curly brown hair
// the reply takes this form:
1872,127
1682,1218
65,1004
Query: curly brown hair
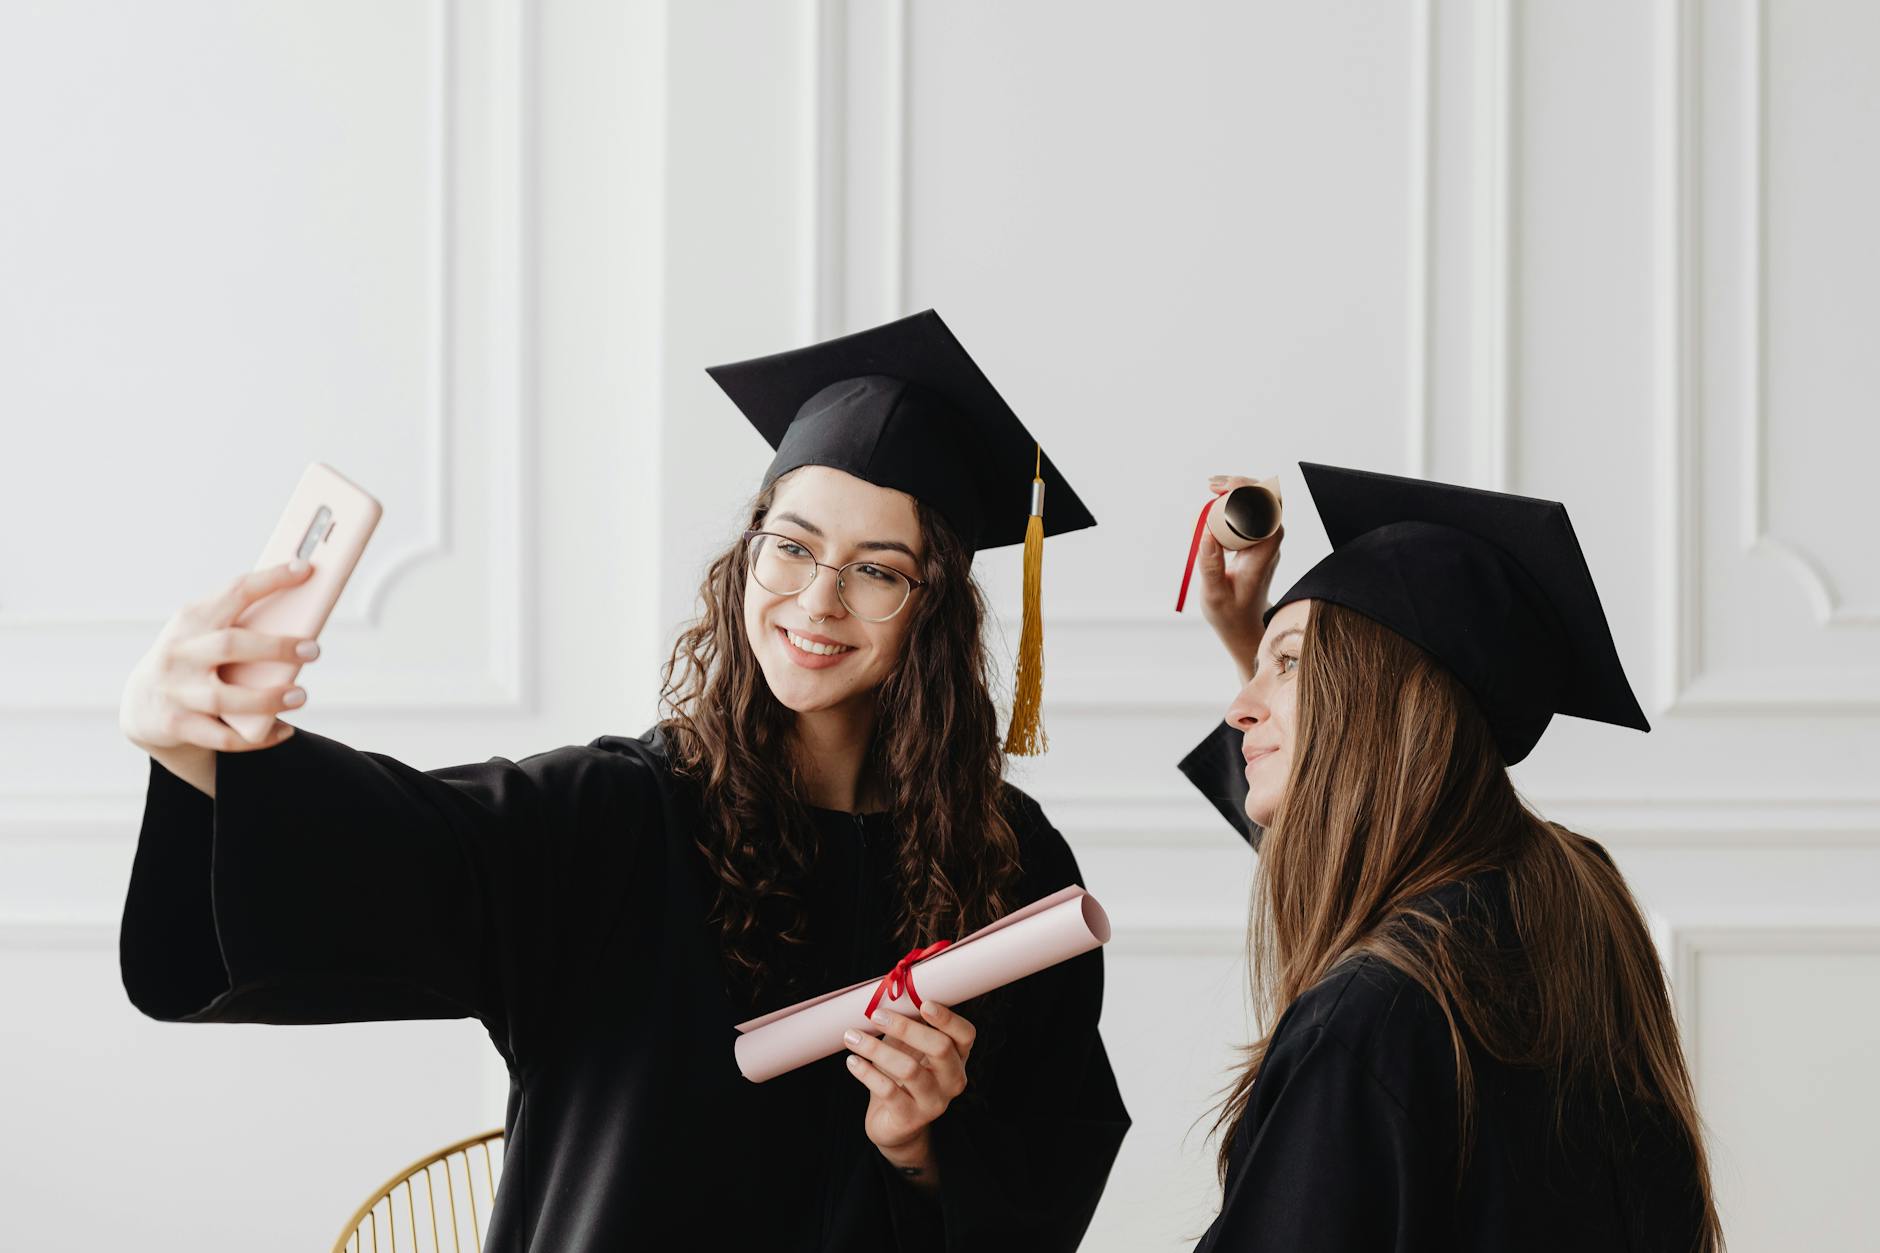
936,752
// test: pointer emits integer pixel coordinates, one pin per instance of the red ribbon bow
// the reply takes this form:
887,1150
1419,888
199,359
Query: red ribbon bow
901,978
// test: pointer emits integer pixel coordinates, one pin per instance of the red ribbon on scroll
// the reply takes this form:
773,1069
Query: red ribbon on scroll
1201,525
901,978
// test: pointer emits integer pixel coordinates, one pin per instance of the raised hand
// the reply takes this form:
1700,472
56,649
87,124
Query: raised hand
173,701
1236,587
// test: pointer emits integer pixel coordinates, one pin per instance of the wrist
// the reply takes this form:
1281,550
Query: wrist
915,1164
914,1155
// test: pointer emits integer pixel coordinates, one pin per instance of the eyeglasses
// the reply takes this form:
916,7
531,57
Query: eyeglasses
867,589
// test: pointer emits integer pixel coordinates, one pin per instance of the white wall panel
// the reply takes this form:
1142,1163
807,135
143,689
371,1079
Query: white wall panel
236,238
1783,1051
1171,998
1168,275
323,264
1777,589
128,1133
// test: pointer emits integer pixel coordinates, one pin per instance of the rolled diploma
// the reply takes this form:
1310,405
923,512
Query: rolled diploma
1256,503
1051,929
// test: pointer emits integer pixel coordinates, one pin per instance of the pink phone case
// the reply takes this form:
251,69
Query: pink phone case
328,522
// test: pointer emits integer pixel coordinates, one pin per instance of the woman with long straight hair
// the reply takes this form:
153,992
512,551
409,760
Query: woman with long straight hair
823,796
1468,1039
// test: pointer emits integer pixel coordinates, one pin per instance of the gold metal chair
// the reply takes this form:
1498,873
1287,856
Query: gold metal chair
440,1202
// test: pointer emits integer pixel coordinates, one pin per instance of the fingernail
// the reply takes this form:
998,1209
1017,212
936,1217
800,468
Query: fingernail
855,1063
880,1019
307,650
296,566
294,696
852,1037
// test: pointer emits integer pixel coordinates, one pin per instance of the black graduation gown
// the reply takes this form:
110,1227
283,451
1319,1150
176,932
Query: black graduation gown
1350,1140
560,900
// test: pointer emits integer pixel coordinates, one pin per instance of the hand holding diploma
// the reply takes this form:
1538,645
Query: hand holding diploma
912,1071
1051,929
906,1044
917,1064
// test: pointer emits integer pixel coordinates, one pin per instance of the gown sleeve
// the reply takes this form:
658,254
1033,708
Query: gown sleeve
1024,1157
324,884
1329,1161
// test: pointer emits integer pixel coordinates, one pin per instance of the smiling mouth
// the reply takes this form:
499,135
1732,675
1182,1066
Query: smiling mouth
812,647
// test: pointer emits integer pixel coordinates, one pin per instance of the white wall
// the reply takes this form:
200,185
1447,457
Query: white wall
477,252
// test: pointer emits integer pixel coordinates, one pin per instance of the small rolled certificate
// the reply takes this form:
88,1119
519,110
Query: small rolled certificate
1051,929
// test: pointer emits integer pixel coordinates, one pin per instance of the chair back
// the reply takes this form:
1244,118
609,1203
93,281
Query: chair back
439,1204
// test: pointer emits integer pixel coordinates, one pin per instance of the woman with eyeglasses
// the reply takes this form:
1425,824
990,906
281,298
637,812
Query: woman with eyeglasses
823,796
1468,1045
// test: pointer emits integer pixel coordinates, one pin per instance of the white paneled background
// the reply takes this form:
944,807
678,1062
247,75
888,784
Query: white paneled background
477,252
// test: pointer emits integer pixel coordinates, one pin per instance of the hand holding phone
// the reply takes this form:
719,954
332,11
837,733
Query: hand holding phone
327,523
175,699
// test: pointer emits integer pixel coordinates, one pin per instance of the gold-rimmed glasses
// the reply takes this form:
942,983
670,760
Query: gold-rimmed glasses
784,566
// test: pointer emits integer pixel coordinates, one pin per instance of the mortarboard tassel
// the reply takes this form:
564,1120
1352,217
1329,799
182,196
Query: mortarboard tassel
1025,737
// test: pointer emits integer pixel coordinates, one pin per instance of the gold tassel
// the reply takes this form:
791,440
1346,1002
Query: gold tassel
1025,737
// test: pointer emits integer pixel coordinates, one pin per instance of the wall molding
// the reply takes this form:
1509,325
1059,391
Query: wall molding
69,816
1149,820
849,185
829,209
442,282
1810,572
1690,943
853,183
1177,816
1421,246
1179,819
1684,683
824,51
504,316
1148,936
1675,295
67,930
1495,307
1164,938
1491,254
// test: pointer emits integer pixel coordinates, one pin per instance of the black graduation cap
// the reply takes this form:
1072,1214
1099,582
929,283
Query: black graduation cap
903,406
1492,585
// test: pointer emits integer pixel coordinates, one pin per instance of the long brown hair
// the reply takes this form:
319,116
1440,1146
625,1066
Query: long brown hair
1396,790
935,751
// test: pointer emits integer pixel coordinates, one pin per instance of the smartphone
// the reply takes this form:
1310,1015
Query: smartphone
327,523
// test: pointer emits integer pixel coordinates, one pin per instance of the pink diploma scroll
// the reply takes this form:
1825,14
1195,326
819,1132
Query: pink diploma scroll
1052,929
